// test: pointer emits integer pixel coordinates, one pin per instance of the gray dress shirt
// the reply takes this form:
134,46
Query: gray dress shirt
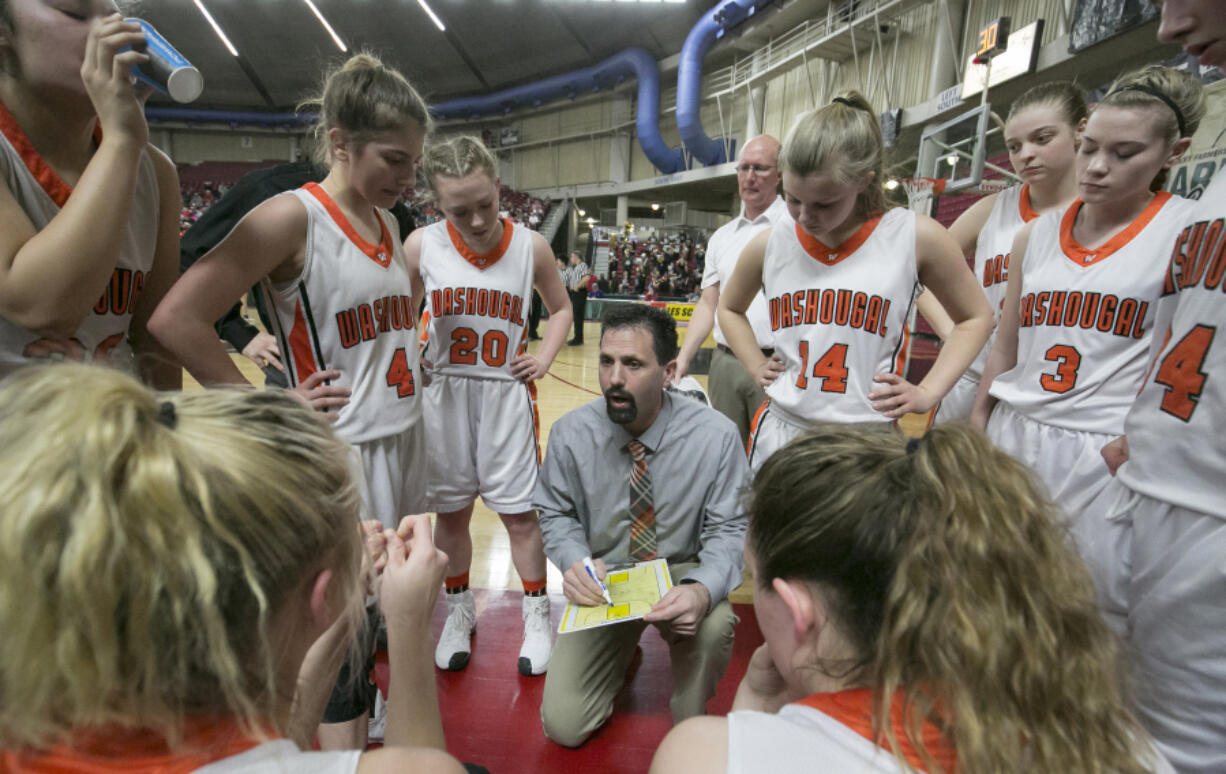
698,472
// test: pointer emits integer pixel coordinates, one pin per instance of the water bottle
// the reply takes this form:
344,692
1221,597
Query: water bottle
167,70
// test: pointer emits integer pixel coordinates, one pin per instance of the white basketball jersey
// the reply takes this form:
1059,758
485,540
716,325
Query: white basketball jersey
1177,426
1086,318
476,304
350,310
103,335
839,315
1010,212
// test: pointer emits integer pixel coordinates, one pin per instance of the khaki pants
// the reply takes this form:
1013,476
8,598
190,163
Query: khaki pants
588,668
733,391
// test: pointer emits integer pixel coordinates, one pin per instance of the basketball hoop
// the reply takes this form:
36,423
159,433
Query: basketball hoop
920,192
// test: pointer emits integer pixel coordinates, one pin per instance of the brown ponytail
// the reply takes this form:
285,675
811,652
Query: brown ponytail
946,571
363,97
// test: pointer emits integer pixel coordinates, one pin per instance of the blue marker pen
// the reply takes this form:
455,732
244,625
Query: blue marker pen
591,570
167,70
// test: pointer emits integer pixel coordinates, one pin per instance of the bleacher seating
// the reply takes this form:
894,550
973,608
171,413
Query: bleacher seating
660,266
204,183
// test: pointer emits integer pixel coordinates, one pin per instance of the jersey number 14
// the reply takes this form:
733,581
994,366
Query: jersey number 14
831,368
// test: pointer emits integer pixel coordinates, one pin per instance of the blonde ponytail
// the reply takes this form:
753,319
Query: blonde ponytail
1177,97
455,157
843,140
147,544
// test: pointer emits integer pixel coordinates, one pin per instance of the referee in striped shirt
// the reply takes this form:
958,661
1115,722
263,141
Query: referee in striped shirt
575,278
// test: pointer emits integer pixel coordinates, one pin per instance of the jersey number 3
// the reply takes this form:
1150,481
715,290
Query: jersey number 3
400,376
1068,361
831,368
1181,374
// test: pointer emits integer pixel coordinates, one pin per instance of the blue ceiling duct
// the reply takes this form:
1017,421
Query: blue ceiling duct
231,117
632,61
608,73
710,28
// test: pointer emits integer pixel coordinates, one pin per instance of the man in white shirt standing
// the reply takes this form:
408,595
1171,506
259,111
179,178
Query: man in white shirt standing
734,393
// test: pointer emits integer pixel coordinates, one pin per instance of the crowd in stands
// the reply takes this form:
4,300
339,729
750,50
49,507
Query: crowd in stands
196,199
658,265
198,194
518,207
653,267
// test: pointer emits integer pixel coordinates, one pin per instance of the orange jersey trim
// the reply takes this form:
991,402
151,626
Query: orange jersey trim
127,750
380,253
753,426
1023,205
536,420
300,346
900,362
481,261
822,253
854,709
48,180
1084,256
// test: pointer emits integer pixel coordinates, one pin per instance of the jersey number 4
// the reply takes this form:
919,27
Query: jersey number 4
400,376
493,347
1181,374
831,368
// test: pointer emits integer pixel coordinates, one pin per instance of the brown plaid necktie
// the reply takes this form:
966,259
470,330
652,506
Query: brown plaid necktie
642,509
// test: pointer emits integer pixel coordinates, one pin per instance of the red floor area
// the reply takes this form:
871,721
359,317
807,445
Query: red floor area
491,714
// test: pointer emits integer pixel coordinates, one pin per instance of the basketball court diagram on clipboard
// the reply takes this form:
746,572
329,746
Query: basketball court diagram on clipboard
634,590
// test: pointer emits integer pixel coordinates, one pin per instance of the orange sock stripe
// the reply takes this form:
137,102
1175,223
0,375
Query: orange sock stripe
456,581
536,585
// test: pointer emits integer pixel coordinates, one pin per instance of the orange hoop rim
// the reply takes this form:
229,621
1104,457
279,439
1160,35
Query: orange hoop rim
919,184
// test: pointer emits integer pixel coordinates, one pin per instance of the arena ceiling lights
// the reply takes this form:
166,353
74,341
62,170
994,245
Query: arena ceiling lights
335,38
641,2
433,17
216,27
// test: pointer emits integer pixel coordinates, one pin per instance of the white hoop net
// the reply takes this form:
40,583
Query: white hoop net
921,191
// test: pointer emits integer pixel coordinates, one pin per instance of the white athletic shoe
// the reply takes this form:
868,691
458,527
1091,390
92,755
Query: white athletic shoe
538,637
455,645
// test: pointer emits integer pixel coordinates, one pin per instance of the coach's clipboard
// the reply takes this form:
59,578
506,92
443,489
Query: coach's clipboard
635,590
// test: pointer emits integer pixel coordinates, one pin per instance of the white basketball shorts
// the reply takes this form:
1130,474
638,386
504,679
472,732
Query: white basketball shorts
483,441
394,471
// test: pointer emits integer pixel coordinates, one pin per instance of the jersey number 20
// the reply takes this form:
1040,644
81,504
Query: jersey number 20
464,347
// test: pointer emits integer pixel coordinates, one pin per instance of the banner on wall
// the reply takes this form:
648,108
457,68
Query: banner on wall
1097,20
676,310
1207,154
680,312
